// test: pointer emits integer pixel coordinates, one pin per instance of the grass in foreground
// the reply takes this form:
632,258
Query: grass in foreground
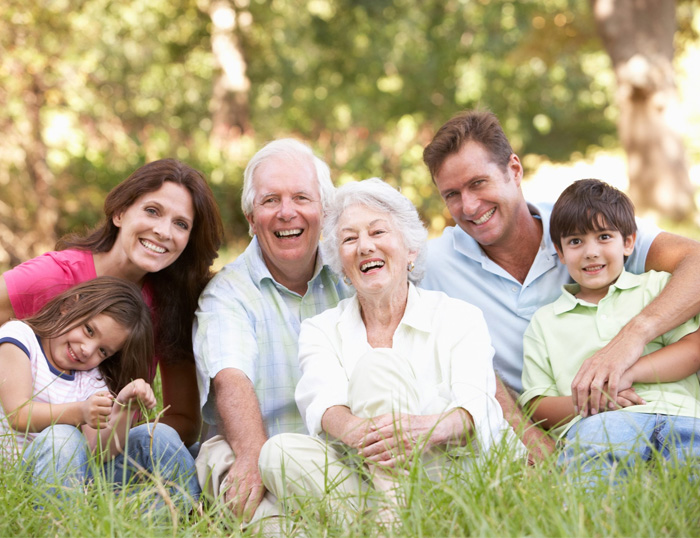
502,499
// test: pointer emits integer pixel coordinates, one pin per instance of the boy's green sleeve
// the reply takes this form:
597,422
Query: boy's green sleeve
538,375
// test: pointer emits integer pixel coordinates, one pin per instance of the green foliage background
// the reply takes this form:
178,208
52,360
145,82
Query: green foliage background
95,88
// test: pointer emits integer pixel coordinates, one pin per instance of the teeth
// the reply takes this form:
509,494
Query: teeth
72,355
151,246
288,233
369,265
486,216
595,268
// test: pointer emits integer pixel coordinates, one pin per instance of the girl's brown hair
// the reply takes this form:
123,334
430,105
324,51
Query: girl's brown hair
177,287
120,300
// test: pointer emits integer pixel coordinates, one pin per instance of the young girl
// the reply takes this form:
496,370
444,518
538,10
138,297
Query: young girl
64,365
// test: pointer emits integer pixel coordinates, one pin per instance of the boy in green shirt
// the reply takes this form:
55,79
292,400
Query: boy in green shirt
593,229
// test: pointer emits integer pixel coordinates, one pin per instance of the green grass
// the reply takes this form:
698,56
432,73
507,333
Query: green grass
505,498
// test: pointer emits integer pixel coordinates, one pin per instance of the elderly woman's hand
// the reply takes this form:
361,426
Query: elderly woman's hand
392,439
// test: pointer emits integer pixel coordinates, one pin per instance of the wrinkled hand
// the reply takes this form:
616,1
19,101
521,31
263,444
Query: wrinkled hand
390,439
244,487
539,445
137,391
96,409
600,375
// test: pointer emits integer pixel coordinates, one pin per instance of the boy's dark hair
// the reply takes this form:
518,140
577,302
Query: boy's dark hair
472,125
120,300
588,205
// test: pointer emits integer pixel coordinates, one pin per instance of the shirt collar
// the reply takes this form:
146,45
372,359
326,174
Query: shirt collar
568,300
259,271
414,316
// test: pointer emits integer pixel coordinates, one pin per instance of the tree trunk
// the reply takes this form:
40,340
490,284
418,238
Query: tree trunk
638,36
229,103
42,238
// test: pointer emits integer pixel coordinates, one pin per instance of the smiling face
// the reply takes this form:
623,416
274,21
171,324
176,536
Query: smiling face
482,198
155,229
595,260
85,346
287,216
372,251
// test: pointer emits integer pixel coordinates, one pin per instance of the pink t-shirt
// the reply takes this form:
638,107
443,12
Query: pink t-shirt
31,284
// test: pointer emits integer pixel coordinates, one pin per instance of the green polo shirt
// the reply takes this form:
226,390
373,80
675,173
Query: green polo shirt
566,332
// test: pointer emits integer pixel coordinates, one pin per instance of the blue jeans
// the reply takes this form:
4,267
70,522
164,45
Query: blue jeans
619,439
59,456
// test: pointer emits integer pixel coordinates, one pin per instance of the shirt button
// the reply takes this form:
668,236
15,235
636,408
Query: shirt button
320,286
514,289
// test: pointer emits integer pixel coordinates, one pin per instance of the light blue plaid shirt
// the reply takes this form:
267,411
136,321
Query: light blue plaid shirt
247,320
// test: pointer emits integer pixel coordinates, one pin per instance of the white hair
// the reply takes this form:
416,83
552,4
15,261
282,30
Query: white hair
286,150
380,196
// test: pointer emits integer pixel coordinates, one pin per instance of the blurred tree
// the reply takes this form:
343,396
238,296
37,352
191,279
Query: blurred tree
229,104
369,82
639,36
89,91
92,89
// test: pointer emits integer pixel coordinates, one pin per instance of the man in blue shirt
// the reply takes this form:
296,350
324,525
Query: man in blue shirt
500,258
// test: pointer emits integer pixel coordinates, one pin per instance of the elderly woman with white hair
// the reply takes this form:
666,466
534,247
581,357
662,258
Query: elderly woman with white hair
391,372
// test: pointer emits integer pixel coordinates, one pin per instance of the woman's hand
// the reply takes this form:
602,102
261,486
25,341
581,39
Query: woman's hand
390,439
96,409
136,391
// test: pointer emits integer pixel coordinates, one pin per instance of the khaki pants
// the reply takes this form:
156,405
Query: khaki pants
294,465
213,463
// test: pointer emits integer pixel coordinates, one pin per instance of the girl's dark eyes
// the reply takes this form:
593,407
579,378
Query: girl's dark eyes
103,352
89,330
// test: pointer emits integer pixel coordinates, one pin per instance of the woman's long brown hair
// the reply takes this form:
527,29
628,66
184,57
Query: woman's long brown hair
177,287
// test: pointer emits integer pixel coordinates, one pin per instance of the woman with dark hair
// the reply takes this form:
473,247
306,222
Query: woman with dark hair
162,230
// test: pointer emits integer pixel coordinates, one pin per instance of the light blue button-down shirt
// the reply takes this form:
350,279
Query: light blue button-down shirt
247,320
458,266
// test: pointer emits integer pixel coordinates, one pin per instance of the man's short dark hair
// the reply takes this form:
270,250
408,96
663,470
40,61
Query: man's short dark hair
588,205
472,125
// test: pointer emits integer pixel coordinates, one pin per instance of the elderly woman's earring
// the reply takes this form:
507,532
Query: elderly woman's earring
411,266
347,280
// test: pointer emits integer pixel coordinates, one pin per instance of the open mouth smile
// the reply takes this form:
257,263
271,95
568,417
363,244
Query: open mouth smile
485,217
72,355
152,246
371,265
289,233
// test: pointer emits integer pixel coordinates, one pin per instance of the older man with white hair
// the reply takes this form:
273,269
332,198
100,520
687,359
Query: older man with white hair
247,325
